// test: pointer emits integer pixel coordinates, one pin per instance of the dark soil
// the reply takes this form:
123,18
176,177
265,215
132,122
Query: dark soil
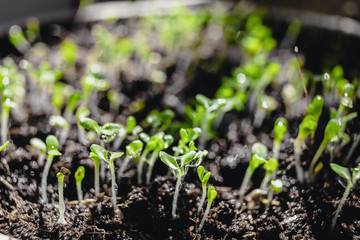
299,212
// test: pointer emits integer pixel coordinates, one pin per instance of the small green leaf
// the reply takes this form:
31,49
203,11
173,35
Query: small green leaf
59,121
259,149
82,112
130,124
144,137
110,129
52,145
271,165
255,162
188,157
205,101
137,130
315,108
2,147
115,155
201,172
268,103
355,174
307,126
134,148
168,140
79,174
276,185
169,160
280,128
100,151
341,171
332,129
184,136
39,144
89,124
94,157
211,194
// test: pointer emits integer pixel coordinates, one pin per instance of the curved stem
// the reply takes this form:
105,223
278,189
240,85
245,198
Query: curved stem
141,165
265,181
44,178
315,159
205,216
202,199
245,182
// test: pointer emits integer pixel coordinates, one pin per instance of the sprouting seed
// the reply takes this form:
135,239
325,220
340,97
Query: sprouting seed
79,176
60,175
204,176
211,195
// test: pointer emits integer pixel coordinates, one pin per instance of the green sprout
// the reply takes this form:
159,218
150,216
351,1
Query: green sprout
190,159
32,28
72,102
114,100
97,160
90,83
270,167
351,177
41,146
210,109
17,38
276,185
266,105
186,136
204,176
103,154
2,147
159,120
81,113
124,132
307,127
280,128
106,132
68,52
133,150
79,176
59,94
59,121
52,145
258,154
60,175
211,195
332,130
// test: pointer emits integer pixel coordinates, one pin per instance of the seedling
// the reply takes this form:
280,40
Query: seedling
17,38
331,131
351,177
307,127
270,167
60,175
266,105
81,113
211,107
276,185
204,176
124,132
59,121
72,103
90,82
52,145
41,146
79,176
133,150
160,121
106,132
280,128
97,160
114,100
104,155
258,154
68,52
211,195
186,136
190,159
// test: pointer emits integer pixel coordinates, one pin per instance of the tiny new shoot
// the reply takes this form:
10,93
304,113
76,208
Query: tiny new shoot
133,150
307,127
130,125
104,155
79,176
211,195
52,145
270,167
204,176
331,131
60,175
190,159
351,177
280,128
41,146
276,185
59,121
258,154
186,136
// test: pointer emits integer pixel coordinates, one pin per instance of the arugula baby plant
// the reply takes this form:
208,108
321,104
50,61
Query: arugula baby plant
351,177
280,128
276,185
133,150
91,82
332,130
159,120
41,146
204,176
211,195
187,135
190,159
60,175
109,157
79,176
60,122
270,167
52,151
307,127
130,128
258,153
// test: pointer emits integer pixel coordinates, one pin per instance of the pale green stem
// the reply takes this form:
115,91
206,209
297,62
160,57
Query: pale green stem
341,204
141,165
270,197
152,161
202,200
113,189
123,167
44,178
352,149
205,216
61,200
97,180
260,115
4,124
245,182
176,196
102,164
315,159
276,150
118,141
41,159
265,181
79,192
63,137
298,168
